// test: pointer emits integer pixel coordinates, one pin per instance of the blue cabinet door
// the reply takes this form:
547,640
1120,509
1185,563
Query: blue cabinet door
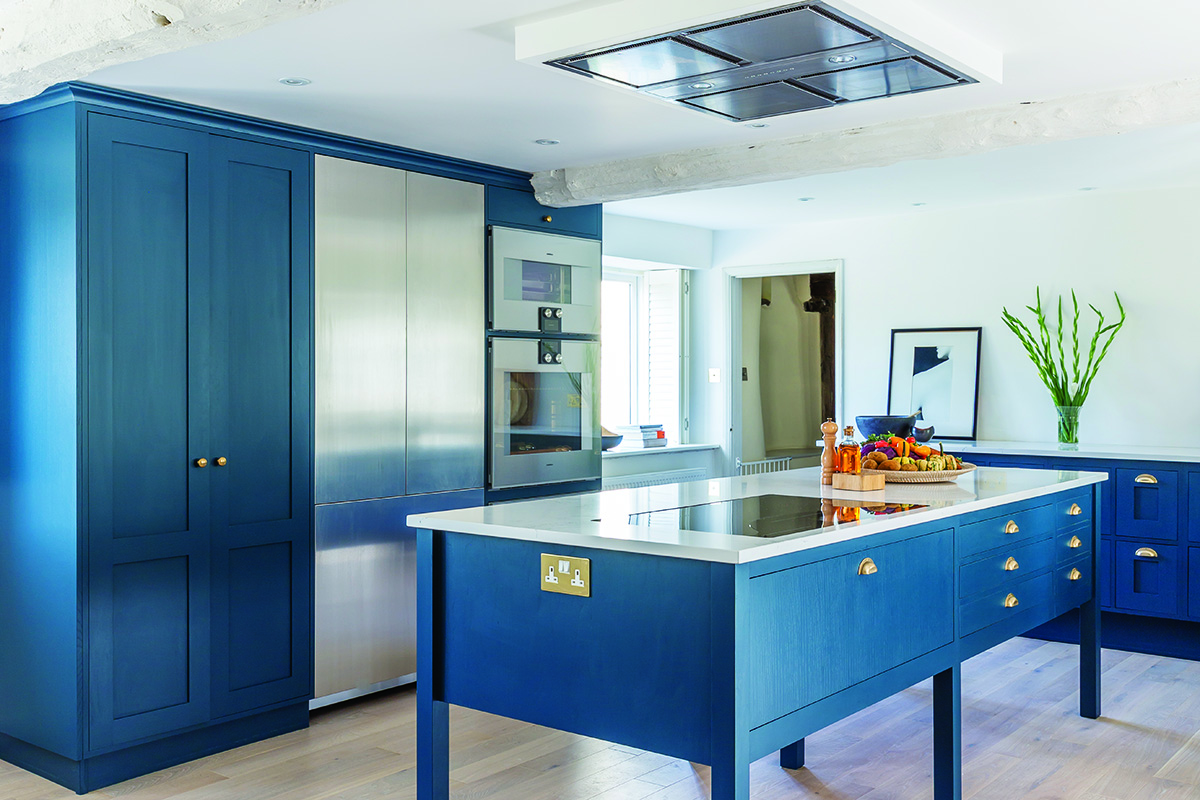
1193,512
1147,577
261,498
147,424
1194,582
513,207
1148,503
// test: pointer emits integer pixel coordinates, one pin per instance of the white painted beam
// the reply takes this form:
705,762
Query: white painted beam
44,42
956,134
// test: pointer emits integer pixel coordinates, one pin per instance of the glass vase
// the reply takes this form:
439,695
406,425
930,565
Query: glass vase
1068,427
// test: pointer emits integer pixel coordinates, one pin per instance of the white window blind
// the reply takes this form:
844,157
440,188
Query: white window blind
663,337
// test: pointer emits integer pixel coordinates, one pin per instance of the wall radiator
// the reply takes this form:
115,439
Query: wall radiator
655,478
764,466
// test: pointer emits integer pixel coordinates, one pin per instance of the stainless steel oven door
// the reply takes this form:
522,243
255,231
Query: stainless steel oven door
545,424
542,283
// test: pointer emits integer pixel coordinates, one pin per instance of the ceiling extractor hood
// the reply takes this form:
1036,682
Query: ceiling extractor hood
781,61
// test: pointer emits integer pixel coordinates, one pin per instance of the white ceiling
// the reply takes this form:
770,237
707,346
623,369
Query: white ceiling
442,77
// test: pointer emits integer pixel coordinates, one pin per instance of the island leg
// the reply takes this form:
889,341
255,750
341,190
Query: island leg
433,715
792,756
1089,659
731,780
947,734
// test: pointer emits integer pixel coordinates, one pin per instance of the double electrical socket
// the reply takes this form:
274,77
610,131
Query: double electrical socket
566,575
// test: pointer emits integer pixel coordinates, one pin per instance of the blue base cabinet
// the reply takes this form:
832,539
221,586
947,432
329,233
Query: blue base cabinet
155,368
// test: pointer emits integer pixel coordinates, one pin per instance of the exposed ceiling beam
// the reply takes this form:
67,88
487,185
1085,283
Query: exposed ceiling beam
957,134
43,43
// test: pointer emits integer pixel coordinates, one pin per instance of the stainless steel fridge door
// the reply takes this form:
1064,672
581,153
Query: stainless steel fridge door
532,272
545,420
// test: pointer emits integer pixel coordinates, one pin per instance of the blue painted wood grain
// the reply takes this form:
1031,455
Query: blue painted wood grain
39,436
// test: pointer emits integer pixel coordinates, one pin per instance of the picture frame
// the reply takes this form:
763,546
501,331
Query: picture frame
935,371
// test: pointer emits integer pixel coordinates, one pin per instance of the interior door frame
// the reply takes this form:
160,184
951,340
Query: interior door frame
733,314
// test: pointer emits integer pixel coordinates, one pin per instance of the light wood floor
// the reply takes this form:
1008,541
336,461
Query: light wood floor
1022,740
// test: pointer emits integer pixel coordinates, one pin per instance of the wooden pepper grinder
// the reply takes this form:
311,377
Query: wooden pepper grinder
829,430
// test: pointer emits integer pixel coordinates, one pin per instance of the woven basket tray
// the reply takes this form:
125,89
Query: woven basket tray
941,476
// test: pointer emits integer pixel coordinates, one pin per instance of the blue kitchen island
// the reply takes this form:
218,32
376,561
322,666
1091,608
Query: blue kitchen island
720,620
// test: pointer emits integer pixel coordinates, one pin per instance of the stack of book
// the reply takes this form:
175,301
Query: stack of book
642,436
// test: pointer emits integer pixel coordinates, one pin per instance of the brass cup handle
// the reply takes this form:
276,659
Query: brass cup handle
1146,552
1145,478
1011,601
1075,542
1075,575
222,461
867,567
1011,565
201,462
1074,510
1011,527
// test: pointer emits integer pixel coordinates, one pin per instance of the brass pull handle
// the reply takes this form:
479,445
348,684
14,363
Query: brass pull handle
201,462
1075,542
1146,552
1074,510
222,461
1011,527
547,218
1145,478
1075,575
867,567
1011,565
1011,601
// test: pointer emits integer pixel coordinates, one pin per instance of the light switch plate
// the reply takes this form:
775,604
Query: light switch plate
714,374
566,575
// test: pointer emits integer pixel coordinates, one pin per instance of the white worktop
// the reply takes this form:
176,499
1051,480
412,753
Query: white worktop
600,519
1116,451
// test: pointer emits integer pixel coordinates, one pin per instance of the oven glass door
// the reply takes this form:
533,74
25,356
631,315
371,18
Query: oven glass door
545,413
542,283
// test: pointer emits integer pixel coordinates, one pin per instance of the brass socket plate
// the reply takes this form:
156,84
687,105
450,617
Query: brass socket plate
566,575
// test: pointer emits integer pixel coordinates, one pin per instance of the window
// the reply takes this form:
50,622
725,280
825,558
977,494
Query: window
643,351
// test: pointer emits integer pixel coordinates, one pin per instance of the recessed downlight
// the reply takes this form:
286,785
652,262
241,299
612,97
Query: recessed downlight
700,85
843,59
1087,188
295,81
918,205
546,142
806,199
758,125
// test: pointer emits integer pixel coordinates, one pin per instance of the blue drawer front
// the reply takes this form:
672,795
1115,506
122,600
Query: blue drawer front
1072,543
1033,593
995,569
1075,511
1148,504
993,532
1148,582
515,207
1194,582
1072,585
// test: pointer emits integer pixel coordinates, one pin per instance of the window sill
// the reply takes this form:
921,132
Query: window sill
649,451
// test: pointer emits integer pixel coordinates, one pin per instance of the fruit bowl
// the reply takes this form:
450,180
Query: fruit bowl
879,425
937,476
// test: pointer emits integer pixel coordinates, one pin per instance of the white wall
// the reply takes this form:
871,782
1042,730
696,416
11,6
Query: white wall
931,269
647,243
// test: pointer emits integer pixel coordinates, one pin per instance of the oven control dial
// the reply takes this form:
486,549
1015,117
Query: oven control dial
548,358
558,358
548,312
558,313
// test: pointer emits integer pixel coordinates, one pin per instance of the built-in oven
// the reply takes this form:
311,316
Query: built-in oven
545,425
542,283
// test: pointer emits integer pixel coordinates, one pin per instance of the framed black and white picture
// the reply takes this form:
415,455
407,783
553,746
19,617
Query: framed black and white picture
935,373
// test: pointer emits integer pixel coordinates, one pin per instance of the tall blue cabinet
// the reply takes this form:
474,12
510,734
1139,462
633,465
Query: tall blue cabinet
155,499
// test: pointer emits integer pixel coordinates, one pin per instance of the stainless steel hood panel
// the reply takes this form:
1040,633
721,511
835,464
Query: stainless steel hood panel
760,65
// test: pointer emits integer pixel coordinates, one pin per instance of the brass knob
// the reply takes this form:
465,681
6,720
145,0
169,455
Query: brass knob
1011,527
1074,510
1075,542
1146,552
222,461
547,218
1075,575
1011,565
867,567
1011,601
201,462
1145,478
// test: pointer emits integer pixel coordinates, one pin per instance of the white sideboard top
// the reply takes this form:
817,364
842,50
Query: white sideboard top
1116,451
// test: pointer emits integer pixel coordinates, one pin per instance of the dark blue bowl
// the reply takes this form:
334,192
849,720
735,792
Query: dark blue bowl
875,426
609,442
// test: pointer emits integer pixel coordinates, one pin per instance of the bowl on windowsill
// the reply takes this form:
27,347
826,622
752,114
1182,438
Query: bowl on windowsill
879,425
608,439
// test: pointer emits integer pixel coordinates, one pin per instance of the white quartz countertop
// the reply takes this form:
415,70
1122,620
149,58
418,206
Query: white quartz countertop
601,519
1116,451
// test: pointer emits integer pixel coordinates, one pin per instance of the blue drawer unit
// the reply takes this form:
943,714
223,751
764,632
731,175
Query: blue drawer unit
1072,584
1148,504
513,207
1147,577
1005,530
1005,565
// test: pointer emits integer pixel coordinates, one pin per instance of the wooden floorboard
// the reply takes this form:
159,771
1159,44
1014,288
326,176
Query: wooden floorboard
1022,740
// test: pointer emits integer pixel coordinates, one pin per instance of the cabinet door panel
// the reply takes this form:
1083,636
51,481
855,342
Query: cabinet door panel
1148,582
147,412
1194,582
1150,509
262,498
1193,512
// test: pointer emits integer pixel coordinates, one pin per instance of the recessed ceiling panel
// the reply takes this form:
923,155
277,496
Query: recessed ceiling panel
774,36
880,80
753,102
652,62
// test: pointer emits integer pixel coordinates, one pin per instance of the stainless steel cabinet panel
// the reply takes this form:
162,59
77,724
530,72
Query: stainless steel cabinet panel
446,426
361,254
